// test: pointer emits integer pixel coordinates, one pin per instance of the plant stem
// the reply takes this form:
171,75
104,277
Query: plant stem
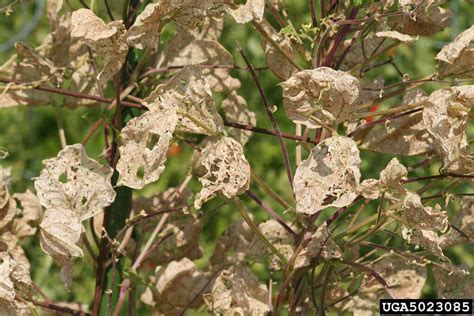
270,115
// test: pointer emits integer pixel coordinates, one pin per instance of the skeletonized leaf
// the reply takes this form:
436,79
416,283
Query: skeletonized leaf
30,214
278,237
72,187
144,144
232,245
236,291
189,92
43,65
319,246
61,239
178,286
457,58
252,10
445,116
425,20
405,279
236,110
329,177
405,135
463,220
8,305
276,61
145,30
207,52
423,217
403,38
426,239
454,284
75,184
106,40
324,93
390,180
221,168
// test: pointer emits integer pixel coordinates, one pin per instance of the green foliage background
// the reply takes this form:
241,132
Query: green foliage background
30,134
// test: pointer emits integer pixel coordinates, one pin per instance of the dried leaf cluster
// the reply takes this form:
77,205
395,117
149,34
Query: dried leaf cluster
339,240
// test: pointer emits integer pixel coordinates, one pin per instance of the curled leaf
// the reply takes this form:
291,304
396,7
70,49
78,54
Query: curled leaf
329,177
72,187
390,180
236,110
403,38
221,168
324,93
456,58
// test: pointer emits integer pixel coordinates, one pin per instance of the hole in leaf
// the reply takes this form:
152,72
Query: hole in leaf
152,141
63,177
141,172
83,200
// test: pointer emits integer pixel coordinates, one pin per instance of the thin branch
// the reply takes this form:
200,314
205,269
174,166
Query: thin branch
175,67
53,307
437,176
270,115
340,37
74,94
272,213
312,10
269,132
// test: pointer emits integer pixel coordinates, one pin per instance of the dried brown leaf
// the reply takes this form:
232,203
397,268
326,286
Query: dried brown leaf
221,168
445,116
232,245
206,52
107,40
463,220
329,177
426,20
72,187
178,286
75,184
403,38
189,92
30,214
278,237
405,135
276,61
236,110
252,10
423,217
426,239
320,246
456,283
324,93
457,58
236,291
144,145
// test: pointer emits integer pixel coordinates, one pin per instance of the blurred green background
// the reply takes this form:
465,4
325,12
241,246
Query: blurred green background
30,134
